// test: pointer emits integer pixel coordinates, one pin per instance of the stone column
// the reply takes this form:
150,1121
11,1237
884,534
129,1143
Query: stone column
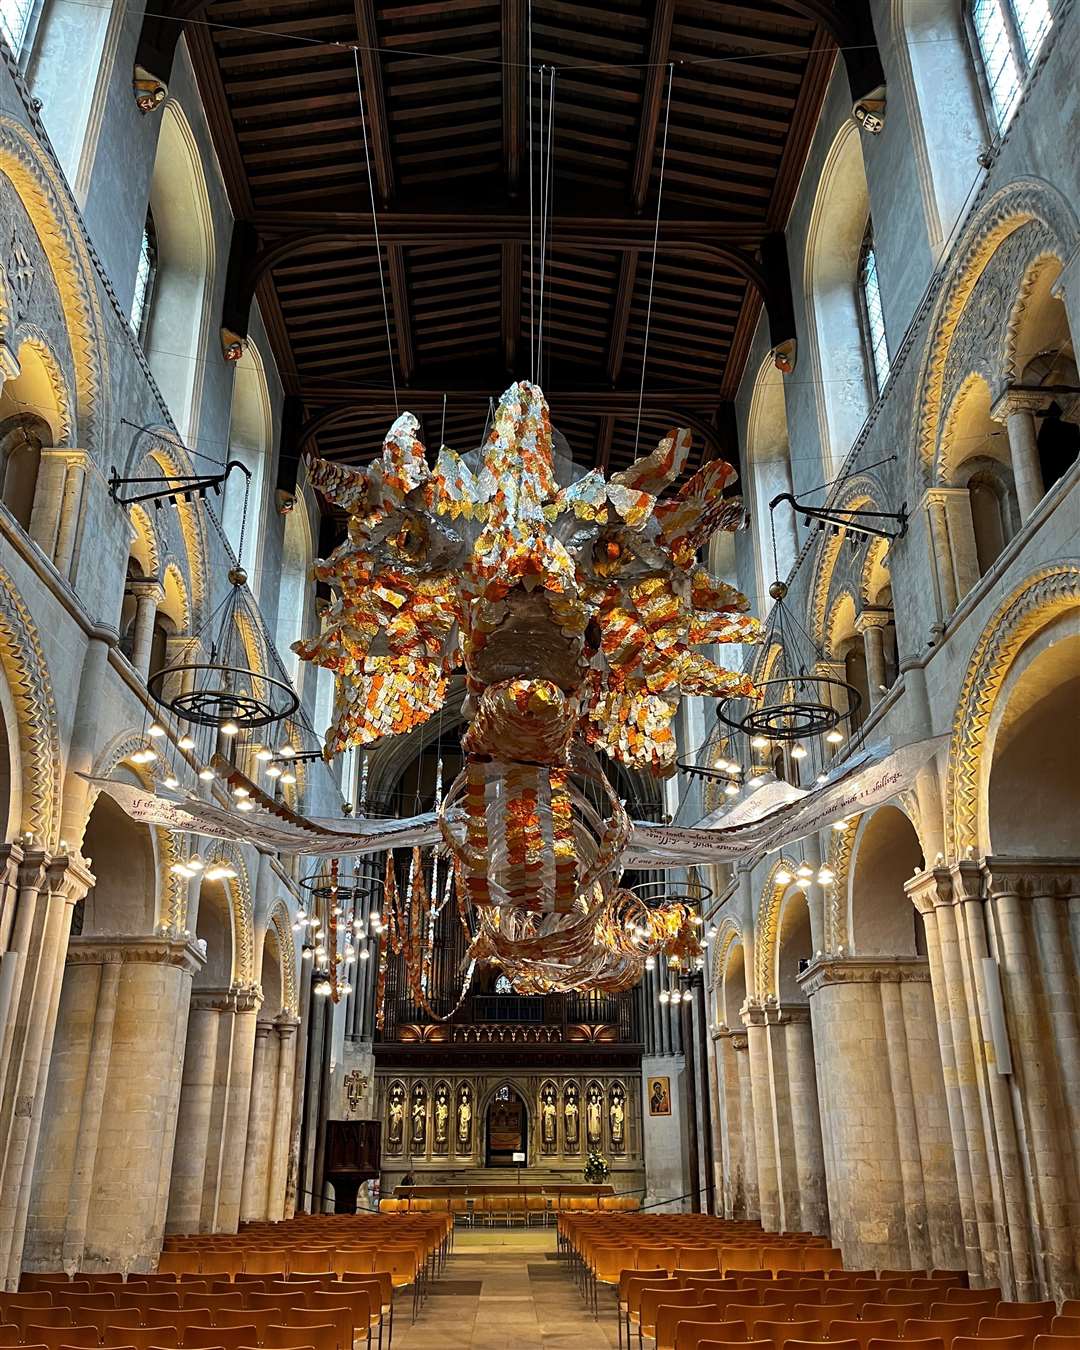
285,1028
865,1027
148,595
732,1169
812,1212
37,926
57,500
237,1107
787,1182
1016,407
764,1136
871,624
253,1197
1043,1077
740,1049
112,1101
941,552
193,1118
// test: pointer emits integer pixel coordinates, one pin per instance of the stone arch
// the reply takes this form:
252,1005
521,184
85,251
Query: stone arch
777,883
35,720
238,890
1037,321
767,473
172,895
286,945
176,604
46,198
967,421
874,577
885,853
1030,607
794,943
863,492
145,547
841,623
50,397
734,983
1014,205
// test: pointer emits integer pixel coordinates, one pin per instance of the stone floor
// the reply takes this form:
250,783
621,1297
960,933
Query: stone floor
505,1290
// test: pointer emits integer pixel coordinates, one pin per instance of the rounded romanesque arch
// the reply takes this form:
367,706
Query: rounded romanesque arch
39,755
766,925
1022,202
286,947
1032,606
46,199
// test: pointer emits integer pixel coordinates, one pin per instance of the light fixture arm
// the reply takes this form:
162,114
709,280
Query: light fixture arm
855,521
176,486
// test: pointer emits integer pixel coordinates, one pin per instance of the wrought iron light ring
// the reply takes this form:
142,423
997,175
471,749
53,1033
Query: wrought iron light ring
792,718
230,694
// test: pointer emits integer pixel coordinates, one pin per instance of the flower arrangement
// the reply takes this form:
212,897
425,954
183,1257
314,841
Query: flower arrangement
596,1168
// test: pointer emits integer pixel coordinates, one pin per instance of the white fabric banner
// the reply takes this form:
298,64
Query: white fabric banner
322,838
872,778
775,816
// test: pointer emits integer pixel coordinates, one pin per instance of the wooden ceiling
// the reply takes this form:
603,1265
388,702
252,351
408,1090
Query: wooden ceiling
447,101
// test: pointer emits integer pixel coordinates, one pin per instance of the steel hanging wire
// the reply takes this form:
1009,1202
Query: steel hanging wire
375,231
652,264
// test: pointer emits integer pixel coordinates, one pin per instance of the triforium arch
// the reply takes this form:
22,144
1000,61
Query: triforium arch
286,945
1011,207
1030,607
40,762
766,926
46,198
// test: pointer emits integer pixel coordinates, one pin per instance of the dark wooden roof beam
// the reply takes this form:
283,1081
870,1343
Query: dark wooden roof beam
374,100
652,100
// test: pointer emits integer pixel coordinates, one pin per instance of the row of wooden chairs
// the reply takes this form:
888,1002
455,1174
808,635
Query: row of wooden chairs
679,1313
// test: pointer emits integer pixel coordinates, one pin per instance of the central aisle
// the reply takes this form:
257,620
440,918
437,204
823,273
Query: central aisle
505,1290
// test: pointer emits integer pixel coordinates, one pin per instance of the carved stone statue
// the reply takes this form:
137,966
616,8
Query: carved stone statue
397,1117
442,1115
570,1118
464,1120
547,1117
618,1117
593,1118
419,1121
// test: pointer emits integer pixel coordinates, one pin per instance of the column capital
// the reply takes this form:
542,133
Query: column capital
863,970
1022,398
286,1025
873,616
753,1013
786,1014
234,998
145,588
1027,877
739,1040
941,496
263,1030
122,949
931,889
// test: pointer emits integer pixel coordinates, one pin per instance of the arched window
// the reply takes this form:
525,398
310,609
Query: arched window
145,276
1009,35
250,441
873,317
15,16
294,588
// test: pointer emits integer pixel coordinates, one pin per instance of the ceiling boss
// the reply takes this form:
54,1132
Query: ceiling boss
578,610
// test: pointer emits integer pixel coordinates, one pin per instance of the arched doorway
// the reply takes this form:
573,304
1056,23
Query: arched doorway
506,1129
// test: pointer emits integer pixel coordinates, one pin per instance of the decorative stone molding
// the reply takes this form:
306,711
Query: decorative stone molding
787,1014
739,1040
728,934
753,1013
45,197
1004,212
235,999
1017,398
766,928
872,616
29,335
863,970
1058,878
1031,606
23,662
124,950
286,945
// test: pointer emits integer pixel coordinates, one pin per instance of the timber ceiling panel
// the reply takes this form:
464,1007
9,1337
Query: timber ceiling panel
447,106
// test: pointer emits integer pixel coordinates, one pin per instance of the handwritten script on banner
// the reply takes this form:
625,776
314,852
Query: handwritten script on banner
763,821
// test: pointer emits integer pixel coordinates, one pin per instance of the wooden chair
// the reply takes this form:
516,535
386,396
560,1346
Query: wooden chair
945,1330
652,1300
1044,1310
339,1316
825,1314
1052,1341
56,1336
900,1313
223,1261
63,1299
888,1343
990,1343
228,1338
741,1345
1066,1324
214,1302
1026,1328
146,1338
779,1333
697,1258
863,1332
670,1315
24,1318
9,1334
311,1263
691,1334
179,1263
157,1298
822,1258
320,1337
975,1296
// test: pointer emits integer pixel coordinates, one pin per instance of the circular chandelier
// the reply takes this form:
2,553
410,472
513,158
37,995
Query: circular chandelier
802,703
222,691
